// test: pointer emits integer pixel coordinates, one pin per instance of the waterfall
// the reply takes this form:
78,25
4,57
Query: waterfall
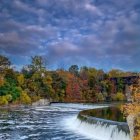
96,131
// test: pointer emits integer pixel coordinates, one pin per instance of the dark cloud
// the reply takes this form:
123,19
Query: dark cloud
104,34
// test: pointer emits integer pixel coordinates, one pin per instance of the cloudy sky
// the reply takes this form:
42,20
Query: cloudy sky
97,33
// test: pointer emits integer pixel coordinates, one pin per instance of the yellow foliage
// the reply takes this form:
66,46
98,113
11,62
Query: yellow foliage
119,96
134,108
20,79
24,98
137,137
99,97
8,97
47,80
3,100
131,108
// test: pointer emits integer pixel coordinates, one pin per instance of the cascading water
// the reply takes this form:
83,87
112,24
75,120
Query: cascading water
96,131
55,122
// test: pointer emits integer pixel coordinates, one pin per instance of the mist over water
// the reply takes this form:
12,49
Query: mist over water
55,122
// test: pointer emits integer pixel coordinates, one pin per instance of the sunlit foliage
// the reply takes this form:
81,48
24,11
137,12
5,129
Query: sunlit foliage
134,109
73,85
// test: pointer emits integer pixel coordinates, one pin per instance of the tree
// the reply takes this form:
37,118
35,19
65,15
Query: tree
3,100
24,98
116,73
133,109
73,89
100,75
38,63
120,96
47,80
20,79
84,73
120,86
2,81
74,70
99,97
4,63
92,72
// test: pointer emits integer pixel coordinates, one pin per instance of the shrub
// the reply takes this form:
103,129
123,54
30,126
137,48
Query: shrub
20,79
3,100
8,97
120,96
24,98
99,97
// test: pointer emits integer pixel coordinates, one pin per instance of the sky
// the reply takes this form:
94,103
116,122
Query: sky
97,33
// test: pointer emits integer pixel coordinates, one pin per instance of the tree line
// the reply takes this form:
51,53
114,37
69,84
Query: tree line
34,81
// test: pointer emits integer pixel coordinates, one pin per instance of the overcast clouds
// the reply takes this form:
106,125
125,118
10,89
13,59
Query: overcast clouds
98,33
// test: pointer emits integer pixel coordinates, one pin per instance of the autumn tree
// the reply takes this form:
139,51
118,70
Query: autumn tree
73,89
84,73
20,79
133,109
24,98
116,73
2,80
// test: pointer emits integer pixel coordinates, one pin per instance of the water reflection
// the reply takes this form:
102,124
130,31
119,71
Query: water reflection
111,113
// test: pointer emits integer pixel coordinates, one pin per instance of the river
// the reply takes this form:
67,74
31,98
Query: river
54,122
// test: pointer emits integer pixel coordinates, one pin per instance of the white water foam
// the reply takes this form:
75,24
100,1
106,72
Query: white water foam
95,131
67,107
75,106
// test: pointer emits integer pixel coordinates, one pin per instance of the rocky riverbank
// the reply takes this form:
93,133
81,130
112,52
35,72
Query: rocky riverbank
41,102
134,125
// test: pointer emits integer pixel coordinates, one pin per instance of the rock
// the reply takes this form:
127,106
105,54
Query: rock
41,102
130,121
137,125
134,127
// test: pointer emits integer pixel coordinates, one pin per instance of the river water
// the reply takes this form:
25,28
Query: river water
54,122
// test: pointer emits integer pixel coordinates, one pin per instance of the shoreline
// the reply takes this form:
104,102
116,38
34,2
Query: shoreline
35,104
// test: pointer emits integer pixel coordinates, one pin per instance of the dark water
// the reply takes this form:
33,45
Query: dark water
111,113
41,123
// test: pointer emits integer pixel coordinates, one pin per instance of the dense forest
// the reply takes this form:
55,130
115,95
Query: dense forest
76,84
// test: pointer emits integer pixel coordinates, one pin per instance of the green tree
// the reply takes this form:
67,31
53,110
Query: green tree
120,85
38,63
4,63
74,70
